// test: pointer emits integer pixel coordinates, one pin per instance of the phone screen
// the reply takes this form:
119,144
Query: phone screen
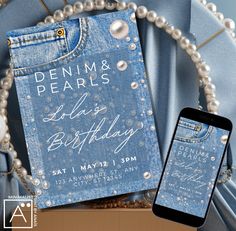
192,167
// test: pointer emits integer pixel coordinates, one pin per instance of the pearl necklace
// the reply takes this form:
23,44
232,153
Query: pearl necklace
141,13
228,23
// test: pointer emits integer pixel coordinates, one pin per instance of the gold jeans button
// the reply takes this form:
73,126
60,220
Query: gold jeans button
60,32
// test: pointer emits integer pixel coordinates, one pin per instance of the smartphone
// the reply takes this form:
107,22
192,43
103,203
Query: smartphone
192,166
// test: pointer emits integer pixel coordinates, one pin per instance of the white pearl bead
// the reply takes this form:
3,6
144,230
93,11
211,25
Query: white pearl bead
151,16
3,128
78,7
206,80
121,5
88,5
141,12
211,6
110,6
68,10
176,34
191,49
3,111
160,21
196,57
220,16
14,154
4,94
6,83
213,105
204,70
209,89
184,42
23,171
3,103
17,163
49,19
229,24
204,2
210,97
100,4
30,178
58,15
132,5
169,29
119,29
7,137
5,119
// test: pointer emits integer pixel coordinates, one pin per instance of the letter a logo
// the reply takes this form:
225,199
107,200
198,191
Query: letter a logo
20,214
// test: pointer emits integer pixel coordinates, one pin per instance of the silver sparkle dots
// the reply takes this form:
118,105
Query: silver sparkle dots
36,182
149,112
132,46
133,17
45,185
134,85
40,172
129,122
135,39
38,192
119,29
139,124
121,65
114,192
152,128
224,139
127,39
48,203
147,175
213,158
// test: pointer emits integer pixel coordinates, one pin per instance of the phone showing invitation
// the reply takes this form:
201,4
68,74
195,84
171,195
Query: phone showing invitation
192,167
86,108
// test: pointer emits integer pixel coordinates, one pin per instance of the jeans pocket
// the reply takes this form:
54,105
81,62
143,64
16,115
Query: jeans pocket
30,49
192,131
40,48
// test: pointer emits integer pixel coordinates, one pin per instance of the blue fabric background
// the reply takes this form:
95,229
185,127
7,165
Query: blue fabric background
172,78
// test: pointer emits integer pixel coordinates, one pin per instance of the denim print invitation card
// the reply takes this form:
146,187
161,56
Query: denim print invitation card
192,167
86,108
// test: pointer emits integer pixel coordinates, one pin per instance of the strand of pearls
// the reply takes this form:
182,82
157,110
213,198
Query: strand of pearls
228,23
142,13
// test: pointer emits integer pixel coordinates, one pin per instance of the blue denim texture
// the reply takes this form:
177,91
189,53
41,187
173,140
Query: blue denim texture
192,167
80,68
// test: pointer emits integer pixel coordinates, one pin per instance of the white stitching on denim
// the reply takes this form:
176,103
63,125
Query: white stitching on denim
54,63
196,140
